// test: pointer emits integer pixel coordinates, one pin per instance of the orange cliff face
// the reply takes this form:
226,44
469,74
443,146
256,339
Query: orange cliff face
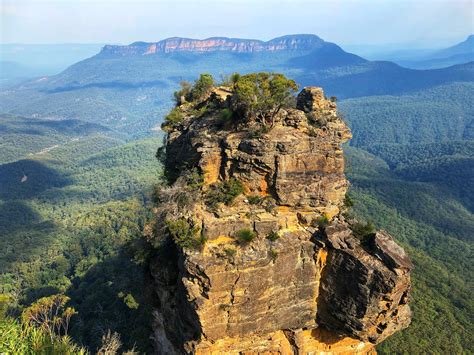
297,287
215,44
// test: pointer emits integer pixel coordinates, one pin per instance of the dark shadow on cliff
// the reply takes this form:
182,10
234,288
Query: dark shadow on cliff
26,179
180,320
113,295
23,233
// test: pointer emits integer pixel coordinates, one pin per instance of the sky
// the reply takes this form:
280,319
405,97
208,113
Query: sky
426,23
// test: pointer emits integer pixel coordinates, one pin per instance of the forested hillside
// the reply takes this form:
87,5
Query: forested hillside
130,91
418,186
76,177
430,225
74,226
440,114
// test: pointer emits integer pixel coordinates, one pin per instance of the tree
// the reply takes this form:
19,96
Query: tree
202,86
190,93
184,233
111,344
261,96
51,314
182,95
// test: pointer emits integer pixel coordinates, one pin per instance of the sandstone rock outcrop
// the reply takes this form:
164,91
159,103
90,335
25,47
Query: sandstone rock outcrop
217,44
304,283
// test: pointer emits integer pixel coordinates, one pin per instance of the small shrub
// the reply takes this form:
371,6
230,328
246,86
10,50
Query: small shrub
175,116
202,86
254,200
312,132
323,221
234,78
230,252
198,112
226,115
183,95
232,188
273,254
363,230
183,233
272,236
348,202
270,205
224,192
246,235
194,179
189,93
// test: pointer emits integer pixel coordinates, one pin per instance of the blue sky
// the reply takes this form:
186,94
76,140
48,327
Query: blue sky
427,22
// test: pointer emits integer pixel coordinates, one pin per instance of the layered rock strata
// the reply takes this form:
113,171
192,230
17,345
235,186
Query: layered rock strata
306,284
218,44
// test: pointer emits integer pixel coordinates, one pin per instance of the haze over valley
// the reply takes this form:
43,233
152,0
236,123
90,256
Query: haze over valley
82,173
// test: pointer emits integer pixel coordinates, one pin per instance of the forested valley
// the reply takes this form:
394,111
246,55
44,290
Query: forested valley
78,170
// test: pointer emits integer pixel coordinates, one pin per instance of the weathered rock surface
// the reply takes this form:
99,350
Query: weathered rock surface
299,164
311,290
217,44
364,291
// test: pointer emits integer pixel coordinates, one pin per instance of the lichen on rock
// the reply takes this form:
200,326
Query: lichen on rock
263,274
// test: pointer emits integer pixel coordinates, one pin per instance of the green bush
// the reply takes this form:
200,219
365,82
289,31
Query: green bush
173,118
260,96
202,86
323,221
184,94
224,192
245,235
184,234
226,115
272,236
363,230
230,252
23,338
254,200
194,179
190,93
273,254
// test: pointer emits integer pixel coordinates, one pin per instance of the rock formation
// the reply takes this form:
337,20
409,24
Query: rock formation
303,282
217,44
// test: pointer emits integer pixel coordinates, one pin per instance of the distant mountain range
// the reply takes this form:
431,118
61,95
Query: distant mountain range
410,163
458,54
215,44
465,47
131,86
19,62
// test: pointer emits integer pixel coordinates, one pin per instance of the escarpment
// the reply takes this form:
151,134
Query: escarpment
218,44
254,252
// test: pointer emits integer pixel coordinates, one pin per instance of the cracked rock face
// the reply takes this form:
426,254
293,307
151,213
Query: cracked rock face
306,289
